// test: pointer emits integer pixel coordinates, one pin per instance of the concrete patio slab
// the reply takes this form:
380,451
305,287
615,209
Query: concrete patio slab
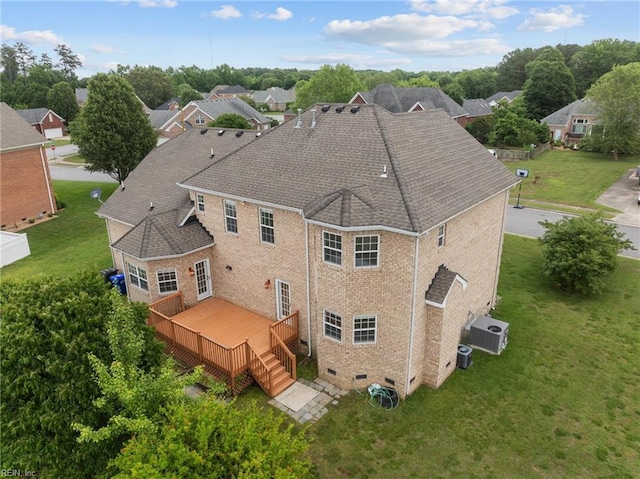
296,396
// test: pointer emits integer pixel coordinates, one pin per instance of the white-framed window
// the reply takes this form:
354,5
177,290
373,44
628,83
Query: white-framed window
442,229
579,126
332,248
138,276
332,325
200,120
364,329
200,202
230,216
366,251
167,281
267,231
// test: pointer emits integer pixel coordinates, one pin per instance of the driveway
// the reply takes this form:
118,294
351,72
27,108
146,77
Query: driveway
623,196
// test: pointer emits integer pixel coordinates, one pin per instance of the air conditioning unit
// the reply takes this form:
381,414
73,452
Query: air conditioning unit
464,356
489,334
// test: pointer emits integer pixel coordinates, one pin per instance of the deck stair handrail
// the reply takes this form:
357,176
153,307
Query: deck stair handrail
287,329
259,369
284,354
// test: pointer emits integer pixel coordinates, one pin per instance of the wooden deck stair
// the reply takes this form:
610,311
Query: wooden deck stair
281,377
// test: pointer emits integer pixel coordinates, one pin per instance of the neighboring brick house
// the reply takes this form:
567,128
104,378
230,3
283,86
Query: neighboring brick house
45,121
225,92
400,100
275,98
198,114
479,107
362,220
571,123
26,190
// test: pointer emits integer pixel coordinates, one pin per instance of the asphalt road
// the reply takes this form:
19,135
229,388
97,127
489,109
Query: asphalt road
525,222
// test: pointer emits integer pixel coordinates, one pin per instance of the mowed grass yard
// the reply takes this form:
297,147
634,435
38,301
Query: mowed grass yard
562,400
569,177
74,240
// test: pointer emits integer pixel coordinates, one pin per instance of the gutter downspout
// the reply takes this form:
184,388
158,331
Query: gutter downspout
413,314
47,176
306,246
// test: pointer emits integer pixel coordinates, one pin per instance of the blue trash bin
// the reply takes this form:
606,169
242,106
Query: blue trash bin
119,282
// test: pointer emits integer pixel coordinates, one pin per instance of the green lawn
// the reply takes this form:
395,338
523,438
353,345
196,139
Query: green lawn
560,402
569,177
75,240
74,159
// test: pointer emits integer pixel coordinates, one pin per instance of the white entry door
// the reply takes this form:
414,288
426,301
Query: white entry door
283,299
203,279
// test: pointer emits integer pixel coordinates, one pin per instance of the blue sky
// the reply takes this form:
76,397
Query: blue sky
430,35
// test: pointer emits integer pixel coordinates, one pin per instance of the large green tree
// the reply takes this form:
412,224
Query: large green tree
152,85
478,83
211,439
617,98
329,85
511,71
581,252
511,127
49,326
598,58
550,84
133,395
112,131
69,62
231,120
62,99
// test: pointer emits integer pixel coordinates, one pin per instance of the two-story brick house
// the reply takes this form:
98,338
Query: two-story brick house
383,230
26,191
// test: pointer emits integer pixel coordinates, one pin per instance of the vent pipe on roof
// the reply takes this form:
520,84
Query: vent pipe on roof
203,131
220,132
384,172
211,155
239,133
355,109
339,109
314,122
325,108
299,120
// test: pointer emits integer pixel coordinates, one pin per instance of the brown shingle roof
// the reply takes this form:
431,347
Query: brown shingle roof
159,236
332,172
440,285
15,131
154,179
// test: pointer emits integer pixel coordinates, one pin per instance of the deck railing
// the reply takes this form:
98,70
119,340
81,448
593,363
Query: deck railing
231,361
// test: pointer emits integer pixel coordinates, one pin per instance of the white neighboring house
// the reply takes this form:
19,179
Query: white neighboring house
13,246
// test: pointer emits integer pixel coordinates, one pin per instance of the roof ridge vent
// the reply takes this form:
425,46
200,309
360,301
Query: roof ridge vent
355,109
314,122
339,109
299,120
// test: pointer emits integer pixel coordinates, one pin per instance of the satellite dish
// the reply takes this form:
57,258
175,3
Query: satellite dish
95,194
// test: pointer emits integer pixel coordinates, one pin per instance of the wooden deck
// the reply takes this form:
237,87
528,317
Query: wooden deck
234,344
227,324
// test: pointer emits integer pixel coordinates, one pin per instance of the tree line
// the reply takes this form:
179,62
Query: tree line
25,80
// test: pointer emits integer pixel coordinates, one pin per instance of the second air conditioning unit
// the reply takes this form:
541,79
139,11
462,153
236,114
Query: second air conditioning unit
489,334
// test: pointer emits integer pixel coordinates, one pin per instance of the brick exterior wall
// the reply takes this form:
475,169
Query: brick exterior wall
26,186
50,121
244,271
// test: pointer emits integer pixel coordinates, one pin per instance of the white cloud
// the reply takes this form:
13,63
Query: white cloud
454,48
552,20
400,28
101,48
355,61
281,14
225,12
157,3
33,37
494,9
